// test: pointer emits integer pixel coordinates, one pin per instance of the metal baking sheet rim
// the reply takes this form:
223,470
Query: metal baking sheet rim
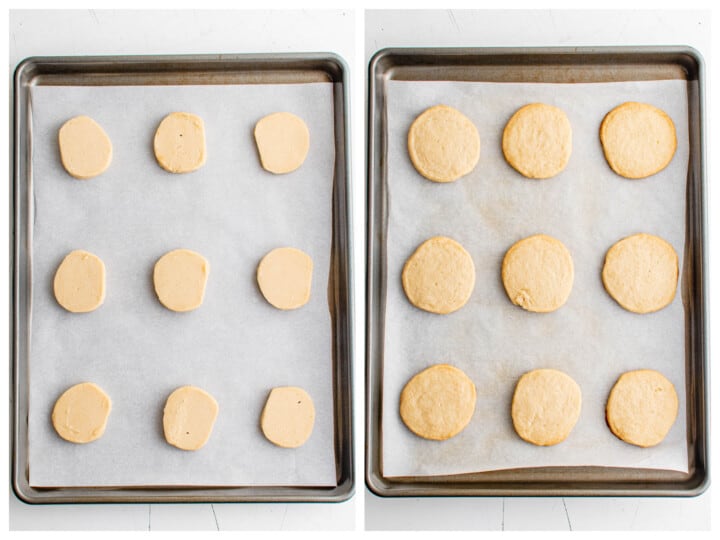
545,481
180,69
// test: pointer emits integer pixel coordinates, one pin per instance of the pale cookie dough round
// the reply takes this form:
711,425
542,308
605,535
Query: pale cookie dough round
537,273
537,140
179,142
443,144
545,406
641,273
288,417
642,407
81,413
85,148
439,276
79,283
638,139
438,402
180,277
283,141
284,276
189,417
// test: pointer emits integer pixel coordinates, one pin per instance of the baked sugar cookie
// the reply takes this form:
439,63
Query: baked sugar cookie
641,273
180,142
283,141
80,414
537,140
79,283
85,148
284,276
189,417
642,407
440,276
288,417
180,277
638,139
545,406
443,144
538,273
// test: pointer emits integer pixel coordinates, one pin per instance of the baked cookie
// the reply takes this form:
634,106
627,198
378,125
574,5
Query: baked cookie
80,414
179,142
641,273
79,283
438,402
642,407
638,139
283,141
85,148
443,144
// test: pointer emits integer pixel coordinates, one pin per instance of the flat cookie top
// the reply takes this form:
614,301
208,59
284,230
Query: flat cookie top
80,414
439,276
537,140
284,276
189,417
288,417
642,407
79,283
546,406
179,142
85,148
283,141
638,139
538,273
443,144
641,273
180,277
438,402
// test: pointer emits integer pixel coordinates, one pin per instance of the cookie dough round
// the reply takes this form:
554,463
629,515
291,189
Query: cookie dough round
180,142
439,276
284,276
79,283
545,406
638,139
180,277
538,273
641,273
81,413
188,417
642,407
438,402
85,148
283,141
537,140
288,417
443,144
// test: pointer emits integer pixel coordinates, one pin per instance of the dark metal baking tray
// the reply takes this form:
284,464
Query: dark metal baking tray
547,65
184,70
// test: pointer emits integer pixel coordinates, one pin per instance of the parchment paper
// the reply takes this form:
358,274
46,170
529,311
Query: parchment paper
591,338
235,346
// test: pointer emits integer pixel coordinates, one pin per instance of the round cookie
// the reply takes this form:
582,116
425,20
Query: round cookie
284,276
641,273
642,407
80,414
439,276
537,140
288,417
443,144
180,277
545,406
438,402
189,417
538,273
283,141
79,283
638,139
179,142
85,148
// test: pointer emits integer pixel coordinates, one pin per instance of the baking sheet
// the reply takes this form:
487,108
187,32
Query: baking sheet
236,346
591,338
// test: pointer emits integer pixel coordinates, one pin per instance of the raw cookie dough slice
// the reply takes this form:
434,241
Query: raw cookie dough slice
438,402
81,413
641,273
282,141
79,283
439,276
538,273
288,417
180,142
284,276
85,148
537,140
642,407
545,406
180,277
188,417
443,144
638,139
